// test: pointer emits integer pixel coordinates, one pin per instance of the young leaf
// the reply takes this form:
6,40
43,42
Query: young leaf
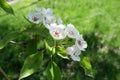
53,71
85,63
50,73
5,6
47,46
8,38
57,73
62,52
49,49
31,64
32,45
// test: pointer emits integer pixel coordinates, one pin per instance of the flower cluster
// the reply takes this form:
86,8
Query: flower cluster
59,31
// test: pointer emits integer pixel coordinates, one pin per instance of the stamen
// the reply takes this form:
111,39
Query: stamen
71,32
35,18
57,33
79,42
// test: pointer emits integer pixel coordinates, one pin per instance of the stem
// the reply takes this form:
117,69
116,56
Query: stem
4,74
55,43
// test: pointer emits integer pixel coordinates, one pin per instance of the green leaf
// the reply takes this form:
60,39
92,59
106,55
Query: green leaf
62,52
8,38
5,6
53,71
41,44
32,45
49,49
50,73
57,73
85,63
31,65
53,50
47,46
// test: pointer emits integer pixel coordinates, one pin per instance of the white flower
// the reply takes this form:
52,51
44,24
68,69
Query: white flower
57,33
38,10
59,21
35,18
71,31
75,58
47,12
44,12
80,43
54,24
74,52
47,21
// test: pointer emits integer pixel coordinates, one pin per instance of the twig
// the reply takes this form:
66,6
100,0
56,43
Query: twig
4,74
19,43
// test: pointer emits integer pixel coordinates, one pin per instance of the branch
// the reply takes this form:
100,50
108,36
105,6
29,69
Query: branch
19,43
4,74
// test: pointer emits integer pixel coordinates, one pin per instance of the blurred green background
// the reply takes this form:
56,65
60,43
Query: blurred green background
97,20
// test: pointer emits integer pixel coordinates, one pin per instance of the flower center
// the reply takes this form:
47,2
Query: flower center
74,52
35,18
71,32
79,42
57,33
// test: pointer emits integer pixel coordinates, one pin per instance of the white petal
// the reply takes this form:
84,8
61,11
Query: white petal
43,11
73,50
70,50
71,31
35,18
54,25
75,57
59,21
57,33
80,37
61,26
30,15
38,10
49,20
47,12
80,43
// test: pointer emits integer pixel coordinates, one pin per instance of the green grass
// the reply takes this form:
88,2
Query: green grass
97,20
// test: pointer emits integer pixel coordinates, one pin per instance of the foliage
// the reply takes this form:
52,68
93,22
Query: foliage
4,5
94,18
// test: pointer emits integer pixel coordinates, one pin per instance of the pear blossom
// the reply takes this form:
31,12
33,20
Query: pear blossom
47,12
71,31
74,52
48,21
59,21
57,33
44,12
80,43
38,10
48,15
75,58
54,24
35,18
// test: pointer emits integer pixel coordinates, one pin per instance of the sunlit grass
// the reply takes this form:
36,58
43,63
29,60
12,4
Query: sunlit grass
97,20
